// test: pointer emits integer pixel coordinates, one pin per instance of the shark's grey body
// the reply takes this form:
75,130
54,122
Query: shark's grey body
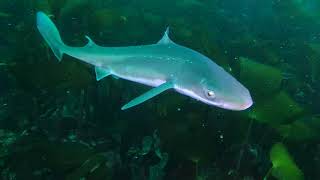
163,65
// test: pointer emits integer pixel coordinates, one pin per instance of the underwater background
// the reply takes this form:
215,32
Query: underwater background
57,122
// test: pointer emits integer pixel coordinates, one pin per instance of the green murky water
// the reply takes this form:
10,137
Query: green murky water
57,122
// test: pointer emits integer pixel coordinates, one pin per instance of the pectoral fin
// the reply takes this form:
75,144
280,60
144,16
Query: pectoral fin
101,73
148,95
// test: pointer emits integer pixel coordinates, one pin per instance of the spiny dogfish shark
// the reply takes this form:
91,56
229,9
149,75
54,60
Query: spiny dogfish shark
163,65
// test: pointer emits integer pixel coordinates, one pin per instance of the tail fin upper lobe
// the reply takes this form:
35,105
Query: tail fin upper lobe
51,34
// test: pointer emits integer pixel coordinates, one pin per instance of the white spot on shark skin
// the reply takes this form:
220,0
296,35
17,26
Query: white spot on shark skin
98,64
148,82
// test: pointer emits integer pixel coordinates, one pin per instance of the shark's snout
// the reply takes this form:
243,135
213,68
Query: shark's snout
237,103
247,103
236,106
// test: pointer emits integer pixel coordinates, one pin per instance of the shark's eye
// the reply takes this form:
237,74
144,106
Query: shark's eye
211,94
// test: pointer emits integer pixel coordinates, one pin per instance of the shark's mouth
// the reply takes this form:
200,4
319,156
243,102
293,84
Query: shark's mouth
222,104
237,106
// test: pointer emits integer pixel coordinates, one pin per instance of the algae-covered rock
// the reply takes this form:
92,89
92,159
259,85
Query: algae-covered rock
283,166
94,166
7,138
277,109
262,80
72,160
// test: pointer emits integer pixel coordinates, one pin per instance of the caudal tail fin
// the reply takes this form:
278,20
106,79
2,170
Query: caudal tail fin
51,34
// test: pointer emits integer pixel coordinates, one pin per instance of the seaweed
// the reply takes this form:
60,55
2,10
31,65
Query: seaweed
283,166
261,79
277,109
279,65
301,130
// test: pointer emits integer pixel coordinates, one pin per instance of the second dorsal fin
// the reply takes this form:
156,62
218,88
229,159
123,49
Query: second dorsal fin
165,38
101,73
90,42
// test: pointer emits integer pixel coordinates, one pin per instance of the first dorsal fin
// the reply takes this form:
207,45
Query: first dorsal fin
165,38
90,42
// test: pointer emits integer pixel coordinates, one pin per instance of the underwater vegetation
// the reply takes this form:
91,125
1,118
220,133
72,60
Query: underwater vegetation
283,166
58,122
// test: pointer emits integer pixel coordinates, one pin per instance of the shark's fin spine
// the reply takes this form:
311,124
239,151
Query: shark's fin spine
101,73
90,42
165,38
